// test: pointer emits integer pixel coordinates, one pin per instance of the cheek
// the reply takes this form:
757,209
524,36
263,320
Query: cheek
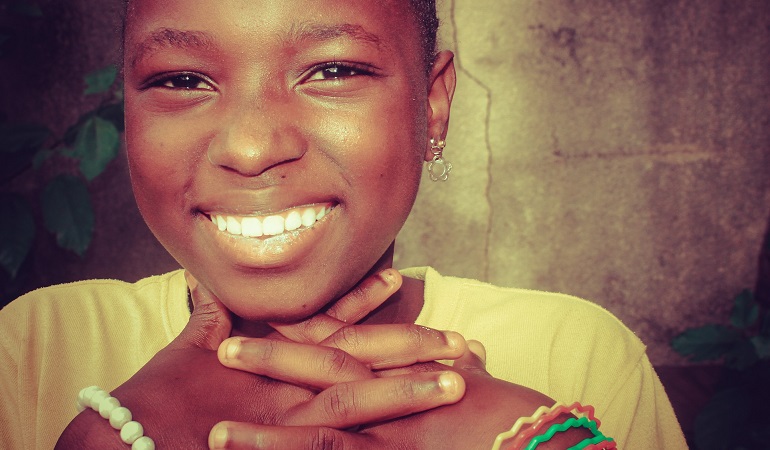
161,162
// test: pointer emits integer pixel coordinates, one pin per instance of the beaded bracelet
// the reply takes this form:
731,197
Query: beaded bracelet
131,432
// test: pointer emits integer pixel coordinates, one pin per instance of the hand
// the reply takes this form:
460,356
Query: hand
183,391
488,408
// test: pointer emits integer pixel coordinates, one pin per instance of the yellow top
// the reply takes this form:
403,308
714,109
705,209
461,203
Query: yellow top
57,340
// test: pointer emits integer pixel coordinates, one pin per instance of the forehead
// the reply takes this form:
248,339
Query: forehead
381,23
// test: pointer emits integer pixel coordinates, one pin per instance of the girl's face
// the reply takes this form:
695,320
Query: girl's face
275,146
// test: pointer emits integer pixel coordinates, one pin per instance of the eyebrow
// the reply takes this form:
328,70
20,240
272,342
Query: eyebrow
199,40
169,37
320,32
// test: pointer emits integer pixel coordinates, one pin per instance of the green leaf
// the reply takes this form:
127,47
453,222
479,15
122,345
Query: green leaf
22,137
745,310
119,92
27,9
761,346
101,80
113,113
18,146
765,328
707,342
41,157
97,143
17,231
727,410
742,356
68,213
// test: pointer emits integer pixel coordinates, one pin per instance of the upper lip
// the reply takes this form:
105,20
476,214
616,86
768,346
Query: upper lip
260,202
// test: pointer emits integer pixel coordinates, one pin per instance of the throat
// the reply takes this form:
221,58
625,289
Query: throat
402,307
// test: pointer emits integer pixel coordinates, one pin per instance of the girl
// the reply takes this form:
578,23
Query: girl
275,149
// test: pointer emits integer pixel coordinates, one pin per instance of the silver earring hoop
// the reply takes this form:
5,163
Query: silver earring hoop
438,168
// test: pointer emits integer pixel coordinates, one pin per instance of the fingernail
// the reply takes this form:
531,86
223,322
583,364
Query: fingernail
448,382
192,283
453,339
218,437
388,276
233,348
477,348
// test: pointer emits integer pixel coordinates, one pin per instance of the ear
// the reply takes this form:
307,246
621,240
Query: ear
442,83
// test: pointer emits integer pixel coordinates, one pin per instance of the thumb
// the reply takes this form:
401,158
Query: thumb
210,322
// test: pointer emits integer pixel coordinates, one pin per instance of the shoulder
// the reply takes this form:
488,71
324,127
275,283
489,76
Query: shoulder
538,339
68,306
85,292
463,300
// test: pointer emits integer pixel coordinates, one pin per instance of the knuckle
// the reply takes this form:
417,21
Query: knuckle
325,439
406,390
349,339
269,350
415,335
335,362
339,403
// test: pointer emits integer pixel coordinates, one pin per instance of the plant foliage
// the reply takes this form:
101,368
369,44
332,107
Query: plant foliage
736,417
93,141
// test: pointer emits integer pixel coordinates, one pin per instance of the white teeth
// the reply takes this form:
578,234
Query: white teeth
308,217
273,225
293,221
233,226
251,227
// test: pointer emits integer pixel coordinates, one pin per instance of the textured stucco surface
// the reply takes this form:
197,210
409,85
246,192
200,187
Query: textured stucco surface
618,151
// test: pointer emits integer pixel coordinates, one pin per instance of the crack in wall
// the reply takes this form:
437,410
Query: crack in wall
487,143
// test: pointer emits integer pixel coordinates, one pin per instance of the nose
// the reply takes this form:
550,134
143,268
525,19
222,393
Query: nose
254,139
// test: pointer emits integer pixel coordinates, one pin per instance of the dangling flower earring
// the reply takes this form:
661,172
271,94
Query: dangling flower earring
438,168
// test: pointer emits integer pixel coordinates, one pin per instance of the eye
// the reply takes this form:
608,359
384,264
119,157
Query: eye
182,81
338,71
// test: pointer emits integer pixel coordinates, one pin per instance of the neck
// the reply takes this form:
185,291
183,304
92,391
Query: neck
402,307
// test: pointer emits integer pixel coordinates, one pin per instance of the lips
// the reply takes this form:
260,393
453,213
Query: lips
269,238
252,226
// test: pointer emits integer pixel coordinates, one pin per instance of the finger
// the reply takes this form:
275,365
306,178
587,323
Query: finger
248,436
473,360
406,344
299,364
354,306
366,296
210,322
351,404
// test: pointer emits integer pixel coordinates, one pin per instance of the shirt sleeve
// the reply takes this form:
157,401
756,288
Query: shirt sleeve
639,413
11,427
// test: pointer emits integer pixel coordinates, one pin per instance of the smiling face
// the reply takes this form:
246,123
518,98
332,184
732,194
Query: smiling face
275,146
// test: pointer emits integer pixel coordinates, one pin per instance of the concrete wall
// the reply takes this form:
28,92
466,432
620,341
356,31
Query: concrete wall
618,151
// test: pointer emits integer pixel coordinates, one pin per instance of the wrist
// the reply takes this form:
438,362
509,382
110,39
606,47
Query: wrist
99,412
557,427
89,430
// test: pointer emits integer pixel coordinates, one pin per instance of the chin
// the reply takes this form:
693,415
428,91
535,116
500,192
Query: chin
282,301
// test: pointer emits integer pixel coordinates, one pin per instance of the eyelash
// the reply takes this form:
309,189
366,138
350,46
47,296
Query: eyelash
192,79
350,69
335,71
